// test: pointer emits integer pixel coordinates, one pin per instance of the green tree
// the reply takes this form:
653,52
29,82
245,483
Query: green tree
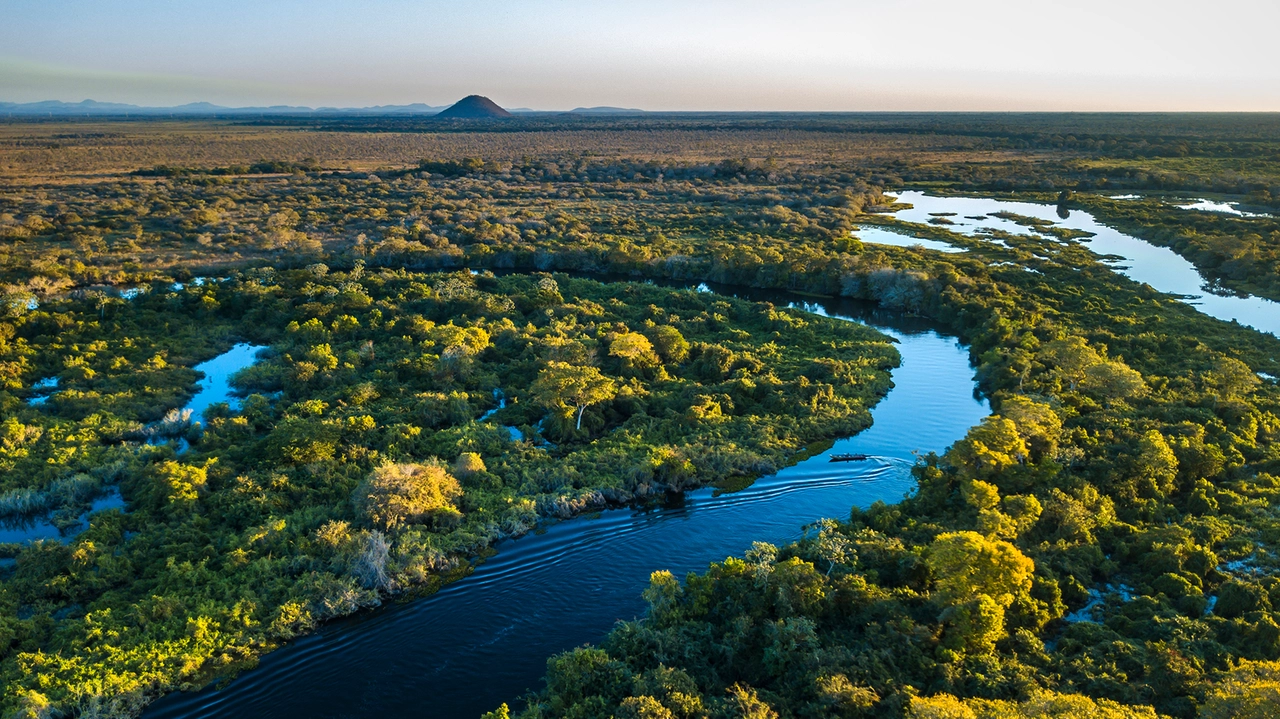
1232,378
1156,465
1037,424
1112,380
562,386
635,351
1250,691
967,564
670,344
180,484
939,706
468,464
744,703
1069,358
989,448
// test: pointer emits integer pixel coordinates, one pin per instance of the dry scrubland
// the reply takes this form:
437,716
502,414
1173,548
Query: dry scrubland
61,152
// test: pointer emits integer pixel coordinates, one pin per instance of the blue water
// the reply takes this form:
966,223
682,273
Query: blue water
485,639
1159,267
28,530
216,385
45,387
881,236
214,388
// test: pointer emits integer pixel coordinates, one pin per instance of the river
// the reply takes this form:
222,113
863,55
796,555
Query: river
1159,267
485,639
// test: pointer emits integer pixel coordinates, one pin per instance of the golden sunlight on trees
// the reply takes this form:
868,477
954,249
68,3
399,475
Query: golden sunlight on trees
396,494
635,351
989,448
978,578
180,484
468,464
1041,705
1251,691
670,345
1037,424
1156,466
966,564
568,389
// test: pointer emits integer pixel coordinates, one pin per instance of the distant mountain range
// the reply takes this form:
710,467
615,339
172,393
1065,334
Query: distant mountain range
606,110
475,107
58,108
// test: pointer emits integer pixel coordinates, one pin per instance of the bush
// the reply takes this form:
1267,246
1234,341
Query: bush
397,494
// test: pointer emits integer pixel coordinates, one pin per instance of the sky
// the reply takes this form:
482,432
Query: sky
804,55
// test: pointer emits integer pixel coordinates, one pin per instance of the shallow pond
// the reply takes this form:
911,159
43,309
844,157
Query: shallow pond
881,236
216,385
485,639
31,529
44,387
1160,267
1227,208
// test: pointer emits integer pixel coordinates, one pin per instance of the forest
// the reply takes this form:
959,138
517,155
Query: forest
406,282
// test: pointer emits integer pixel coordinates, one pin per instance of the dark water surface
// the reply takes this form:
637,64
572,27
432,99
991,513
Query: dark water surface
29,529
485,640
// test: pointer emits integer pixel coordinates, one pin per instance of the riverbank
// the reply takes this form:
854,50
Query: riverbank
568,583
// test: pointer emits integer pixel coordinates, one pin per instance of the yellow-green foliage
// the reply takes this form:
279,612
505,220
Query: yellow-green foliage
1134,451
396,494
324,489
1250,691
1043,705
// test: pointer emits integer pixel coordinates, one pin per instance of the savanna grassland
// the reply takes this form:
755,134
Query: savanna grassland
1133,443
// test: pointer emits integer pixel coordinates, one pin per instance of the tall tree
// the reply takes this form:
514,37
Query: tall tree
562,386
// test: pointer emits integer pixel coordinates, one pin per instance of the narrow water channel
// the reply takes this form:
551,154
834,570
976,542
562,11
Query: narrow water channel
215,387
485,640
1160,267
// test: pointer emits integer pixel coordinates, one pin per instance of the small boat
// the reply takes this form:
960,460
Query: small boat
848,457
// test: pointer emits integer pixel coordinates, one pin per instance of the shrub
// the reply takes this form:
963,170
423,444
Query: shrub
396,494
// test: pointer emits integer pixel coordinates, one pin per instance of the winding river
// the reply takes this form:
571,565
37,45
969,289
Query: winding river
1159,267
485,639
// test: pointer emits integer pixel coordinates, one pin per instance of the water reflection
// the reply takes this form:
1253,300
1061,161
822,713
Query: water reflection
216,385
485,640
881,236
214,388
29,529
1159,267
1227,208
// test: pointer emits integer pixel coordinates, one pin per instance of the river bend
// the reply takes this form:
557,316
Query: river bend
485,639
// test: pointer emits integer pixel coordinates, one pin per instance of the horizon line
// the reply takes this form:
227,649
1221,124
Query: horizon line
97,108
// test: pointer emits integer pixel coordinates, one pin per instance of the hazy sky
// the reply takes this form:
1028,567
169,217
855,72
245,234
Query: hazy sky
658,55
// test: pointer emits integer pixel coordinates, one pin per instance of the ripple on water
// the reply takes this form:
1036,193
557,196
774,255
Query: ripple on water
485,640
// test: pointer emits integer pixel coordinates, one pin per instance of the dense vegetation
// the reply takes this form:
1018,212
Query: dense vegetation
120,202
1129,474
1132,454
356,465
1237,253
